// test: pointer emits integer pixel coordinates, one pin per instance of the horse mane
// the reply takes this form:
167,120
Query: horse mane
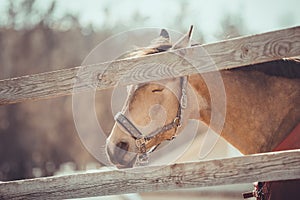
287,68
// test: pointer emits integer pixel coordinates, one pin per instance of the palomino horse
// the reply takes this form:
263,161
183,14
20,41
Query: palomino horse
262,108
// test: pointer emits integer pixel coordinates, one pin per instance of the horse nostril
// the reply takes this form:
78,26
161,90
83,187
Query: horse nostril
123,145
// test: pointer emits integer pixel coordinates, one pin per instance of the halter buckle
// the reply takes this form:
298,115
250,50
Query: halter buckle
140,142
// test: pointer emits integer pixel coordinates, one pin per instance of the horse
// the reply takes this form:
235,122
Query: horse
262,107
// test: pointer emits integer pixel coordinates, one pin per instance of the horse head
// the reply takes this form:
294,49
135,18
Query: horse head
153,111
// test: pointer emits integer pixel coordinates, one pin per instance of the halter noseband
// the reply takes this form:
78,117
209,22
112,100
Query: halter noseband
141,140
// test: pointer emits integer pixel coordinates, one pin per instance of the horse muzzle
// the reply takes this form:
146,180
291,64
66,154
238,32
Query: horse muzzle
120,156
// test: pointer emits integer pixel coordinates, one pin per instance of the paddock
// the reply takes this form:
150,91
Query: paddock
229,54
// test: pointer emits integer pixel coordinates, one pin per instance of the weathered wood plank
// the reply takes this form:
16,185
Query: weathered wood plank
225,54
270,166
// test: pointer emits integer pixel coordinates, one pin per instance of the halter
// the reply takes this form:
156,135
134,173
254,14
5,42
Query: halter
141,140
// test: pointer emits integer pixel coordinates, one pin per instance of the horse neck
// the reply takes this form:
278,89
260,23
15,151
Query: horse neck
260,109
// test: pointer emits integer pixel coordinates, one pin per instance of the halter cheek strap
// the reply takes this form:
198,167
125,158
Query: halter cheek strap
154,137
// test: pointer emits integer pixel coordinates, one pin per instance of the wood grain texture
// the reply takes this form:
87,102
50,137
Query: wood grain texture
269,166
227,54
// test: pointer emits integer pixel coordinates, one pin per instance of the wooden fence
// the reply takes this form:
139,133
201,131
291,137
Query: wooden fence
246,169
227,54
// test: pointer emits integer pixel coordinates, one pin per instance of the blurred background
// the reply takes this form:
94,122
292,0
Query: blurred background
39,138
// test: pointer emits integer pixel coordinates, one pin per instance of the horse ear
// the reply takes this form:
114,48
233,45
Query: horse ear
163,38
164,33
185,40
162,43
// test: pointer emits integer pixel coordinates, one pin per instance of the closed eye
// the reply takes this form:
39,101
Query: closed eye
157,90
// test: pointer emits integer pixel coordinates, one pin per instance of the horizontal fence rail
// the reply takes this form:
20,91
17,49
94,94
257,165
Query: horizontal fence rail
283,165
227,54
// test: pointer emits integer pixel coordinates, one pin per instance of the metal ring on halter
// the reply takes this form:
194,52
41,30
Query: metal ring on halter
177,122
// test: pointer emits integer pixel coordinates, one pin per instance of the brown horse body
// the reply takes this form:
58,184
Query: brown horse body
261,110
262,107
